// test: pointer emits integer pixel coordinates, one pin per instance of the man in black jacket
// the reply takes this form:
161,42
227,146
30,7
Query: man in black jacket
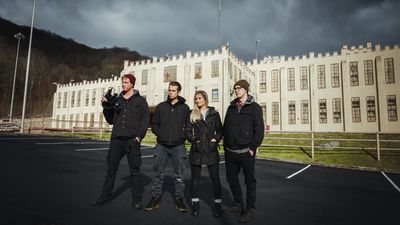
168,125
129,115
243,134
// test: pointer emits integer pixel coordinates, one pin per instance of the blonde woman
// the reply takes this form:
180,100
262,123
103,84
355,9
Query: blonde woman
204,130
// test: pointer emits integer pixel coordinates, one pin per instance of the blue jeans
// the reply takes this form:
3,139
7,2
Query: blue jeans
161,155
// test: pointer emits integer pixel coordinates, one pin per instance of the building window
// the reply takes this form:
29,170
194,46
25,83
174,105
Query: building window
371,116
214,68
321,76
369,73
78,99
354,73
292,112
58,101
275,113
85,120
145,74
291,79
304,111
337,110
303,78
389,70
235,72
101,119
322,111
392,107
197,70
165,94
355,108
263,81
230,69
274,81
73,99
76,120
71,120
93,97
170,73
215,95
264,112
335,75
57,121
91,120
87,97
65,99
63,121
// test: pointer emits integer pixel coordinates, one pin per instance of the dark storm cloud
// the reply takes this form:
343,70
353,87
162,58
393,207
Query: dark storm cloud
159,27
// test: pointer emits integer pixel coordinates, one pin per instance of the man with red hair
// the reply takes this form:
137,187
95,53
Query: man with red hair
129,115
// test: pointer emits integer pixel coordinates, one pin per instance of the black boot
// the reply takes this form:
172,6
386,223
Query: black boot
195,208
153,204
248,216
180,205
103,199
217,209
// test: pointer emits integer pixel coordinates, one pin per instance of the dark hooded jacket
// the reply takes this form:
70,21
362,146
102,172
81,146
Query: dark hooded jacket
243,128
129,117
200,133
169,122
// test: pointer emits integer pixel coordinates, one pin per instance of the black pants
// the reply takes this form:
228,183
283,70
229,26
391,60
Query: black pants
234,162
213,171
118,148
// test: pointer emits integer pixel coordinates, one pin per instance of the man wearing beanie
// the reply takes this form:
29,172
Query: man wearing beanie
129,115
243,134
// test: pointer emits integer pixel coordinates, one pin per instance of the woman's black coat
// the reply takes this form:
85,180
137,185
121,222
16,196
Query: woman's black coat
203,151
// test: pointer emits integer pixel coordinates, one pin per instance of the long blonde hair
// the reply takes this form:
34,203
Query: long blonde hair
196,114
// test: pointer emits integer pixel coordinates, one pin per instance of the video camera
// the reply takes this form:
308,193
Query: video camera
111,100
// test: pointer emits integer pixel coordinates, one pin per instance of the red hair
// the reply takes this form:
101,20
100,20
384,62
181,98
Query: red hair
131,78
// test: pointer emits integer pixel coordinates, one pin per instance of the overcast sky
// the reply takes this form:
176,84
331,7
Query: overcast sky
160,27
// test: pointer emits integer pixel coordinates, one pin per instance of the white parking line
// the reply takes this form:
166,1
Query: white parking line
298,172
39,138
394,185
71,143
90,149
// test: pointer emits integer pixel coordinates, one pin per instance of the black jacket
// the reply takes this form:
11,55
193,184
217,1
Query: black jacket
130,117
169,121
203,151
243,128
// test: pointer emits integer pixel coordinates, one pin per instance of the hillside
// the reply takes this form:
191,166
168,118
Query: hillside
53,59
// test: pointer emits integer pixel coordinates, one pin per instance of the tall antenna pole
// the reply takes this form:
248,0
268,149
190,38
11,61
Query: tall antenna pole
219,23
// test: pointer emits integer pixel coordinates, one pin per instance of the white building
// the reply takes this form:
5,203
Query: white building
356,90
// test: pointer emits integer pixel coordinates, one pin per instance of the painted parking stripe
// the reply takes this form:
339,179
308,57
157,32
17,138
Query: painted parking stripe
39,138
390,181
90,149
71,143
298,172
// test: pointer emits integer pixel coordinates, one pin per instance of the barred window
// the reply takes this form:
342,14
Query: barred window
389,70
392,107
87,97
335,75
59,100
321,76
94,97
303,78
355,107
371,116
197,70
73,99
291,79
369,73
274,81
63,120
214,68
65,99
85,120
264,112
145,74
304,111
292,112
354,73
71,120
215,95
322,111
275,113
78,99
337,110
170,73
230,69
77,120
263,81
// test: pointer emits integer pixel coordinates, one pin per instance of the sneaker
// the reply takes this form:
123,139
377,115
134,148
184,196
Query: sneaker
137,205
217,212
237,208
248,216
180,205
103,199
153,204
195,208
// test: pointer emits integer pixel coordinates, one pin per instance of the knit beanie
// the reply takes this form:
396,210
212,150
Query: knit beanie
242,83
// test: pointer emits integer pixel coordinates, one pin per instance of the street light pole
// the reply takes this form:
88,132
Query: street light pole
27,69
258,41
18,36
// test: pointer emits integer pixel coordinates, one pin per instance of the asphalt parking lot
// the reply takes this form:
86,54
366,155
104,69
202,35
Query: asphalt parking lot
51,180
